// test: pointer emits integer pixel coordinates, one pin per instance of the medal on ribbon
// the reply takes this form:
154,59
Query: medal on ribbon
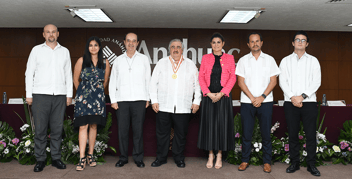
175,66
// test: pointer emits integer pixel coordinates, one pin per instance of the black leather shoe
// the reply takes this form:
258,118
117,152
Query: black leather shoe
292,168
58,164
140,164
181,164
39,166
158,163
313,170
121,163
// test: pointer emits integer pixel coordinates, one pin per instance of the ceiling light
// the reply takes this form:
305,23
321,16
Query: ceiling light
91,15
350,25
240,16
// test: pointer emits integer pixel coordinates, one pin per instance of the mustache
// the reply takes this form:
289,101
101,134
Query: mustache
175,52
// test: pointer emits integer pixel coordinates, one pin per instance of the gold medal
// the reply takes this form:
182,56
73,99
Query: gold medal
175,67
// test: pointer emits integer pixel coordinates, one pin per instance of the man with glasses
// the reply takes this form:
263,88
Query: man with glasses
129,95
174,83
299,80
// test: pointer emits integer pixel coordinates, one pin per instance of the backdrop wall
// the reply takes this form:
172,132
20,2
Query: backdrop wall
333,50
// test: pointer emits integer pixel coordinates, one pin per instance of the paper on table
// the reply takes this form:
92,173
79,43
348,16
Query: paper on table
15,101
236,103
336,103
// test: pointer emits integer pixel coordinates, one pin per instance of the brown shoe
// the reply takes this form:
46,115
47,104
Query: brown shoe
267,168
243,166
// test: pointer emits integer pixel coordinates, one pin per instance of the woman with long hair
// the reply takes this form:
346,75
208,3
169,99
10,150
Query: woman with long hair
216,78
90,110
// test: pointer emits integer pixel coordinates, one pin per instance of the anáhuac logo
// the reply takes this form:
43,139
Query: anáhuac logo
112,48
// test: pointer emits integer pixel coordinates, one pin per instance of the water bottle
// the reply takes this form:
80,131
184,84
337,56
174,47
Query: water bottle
4,98
323,102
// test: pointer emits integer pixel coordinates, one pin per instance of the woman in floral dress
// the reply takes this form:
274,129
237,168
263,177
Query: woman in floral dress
90,99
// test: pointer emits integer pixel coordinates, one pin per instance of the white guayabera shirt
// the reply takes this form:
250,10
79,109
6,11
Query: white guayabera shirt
129,79
49,71
175,95
300,76
257,75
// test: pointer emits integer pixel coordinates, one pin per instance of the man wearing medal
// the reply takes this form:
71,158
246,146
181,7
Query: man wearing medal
174,93
128,89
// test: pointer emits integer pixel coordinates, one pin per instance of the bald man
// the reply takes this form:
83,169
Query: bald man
129,95
49,90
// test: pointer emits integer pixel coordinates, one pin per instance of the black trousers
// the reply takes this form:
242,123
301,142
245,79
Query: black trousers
293,115
164,121
131,112
264,114
48,110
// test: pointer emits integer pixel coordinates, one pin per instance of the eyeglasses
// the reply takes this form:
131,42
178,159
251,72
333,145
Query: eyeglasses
177,47
300,40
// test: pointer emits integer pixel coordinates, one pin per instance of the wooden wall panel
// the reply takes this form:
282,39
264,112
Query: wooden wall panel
13,91
17,42
345,46
74,40
329,74
330,94
345,75
345,95
12,71
324,45
333,50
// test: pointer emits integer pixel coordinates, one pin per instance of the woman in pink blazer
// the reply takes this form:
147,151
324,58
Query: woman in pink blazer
216,78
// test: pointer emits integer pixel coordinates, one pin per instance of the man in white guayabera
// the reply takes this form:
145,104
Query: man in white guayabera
129,95
299,80
49,89
175,93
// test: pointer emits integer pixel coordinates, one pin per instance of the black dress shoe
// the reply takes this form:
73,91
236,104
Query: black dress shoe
39,166
58,164
121,163
181,164
313,170
140,164
292,168
158,163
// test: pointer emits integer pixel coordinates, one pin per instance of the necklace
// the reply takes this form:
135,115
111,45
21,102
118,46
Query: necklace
175,66
130,65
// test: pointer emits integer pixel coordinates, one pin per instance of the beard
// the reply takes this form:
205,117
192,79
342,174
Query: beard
51,40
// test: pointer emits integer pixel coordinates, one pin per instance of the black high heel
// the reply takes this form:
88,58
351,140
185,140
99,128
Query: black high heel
91,161
81,164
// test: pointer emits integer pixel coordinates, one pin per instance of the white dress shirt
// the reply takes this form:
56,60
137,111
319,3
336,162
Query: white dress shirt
300,76
256,74
49,71
176,93
130,78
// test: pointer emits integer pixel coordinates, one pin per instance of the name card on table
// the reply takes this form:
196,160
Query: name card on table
236,103
336,103
15,101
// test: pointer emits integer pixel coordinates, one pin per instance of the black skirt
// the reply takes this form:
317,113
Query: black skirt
216,129
89,119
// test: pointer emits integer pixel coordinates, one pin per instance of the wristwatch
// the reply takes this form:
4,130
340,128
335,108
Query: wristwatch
264,96
304,96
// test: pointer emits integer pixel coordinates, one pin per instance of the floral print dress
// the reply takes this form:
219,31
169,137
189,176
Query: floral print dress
90,98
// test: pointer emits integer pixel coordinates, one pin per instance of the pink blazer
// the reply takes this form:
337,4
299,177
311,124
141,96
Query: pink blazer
228,76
